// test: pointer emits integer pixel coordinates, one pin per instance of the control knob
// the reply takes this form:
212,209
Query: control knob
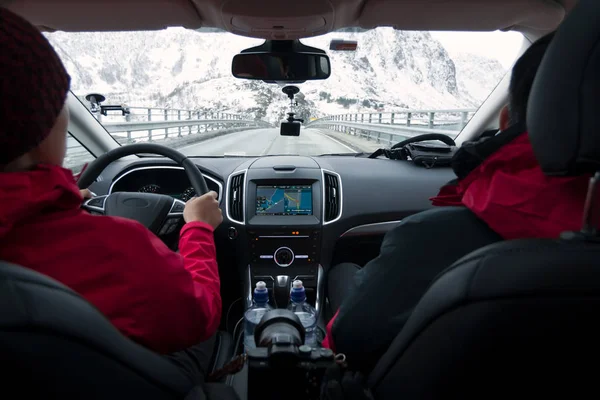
284,256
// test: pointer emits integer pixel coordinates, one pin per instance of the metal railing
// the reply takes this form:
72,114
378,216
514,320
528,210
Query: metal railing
140,124
393,127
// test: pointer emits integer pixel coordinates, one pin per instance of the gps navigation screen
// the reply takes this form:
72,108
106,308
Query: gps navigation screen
284,200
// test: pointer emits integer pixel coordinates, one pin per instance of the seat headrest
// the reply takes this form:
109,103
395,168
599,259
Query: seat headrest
564,104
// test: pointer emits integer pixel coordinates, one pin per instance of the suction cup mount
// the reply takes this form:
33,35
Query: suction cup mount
291,91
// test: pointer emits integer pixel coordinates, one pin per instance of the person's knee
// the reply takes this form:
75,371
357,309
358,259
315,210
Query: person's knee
342,270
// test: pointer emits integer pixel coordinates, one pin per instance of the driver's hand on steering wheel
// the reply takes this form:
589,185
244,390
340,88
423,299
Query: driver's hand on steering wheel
204,209
86,193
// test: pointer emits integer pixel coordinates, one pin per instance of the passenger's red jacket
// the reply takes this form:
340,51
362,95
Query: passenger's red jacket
162,300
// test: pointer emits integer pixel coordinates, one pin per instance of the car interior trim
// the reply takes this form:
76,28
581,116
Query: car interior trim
376,228
340,196
243,199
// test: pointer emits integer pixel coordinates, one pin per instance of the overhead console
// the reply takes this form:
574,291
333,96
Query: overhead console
283,203
277,20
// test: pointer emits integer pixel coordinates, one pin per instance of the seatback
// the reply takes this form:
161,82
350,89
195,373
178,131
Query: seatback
510,319
54,344
519,318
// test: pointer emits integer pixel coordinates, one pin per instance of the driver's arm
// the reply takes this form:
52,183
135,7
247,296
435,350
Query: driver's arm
168,301
181,303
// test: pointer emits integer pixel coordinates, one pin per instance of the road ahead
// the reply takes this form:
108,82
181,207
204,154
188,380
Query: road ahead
258,142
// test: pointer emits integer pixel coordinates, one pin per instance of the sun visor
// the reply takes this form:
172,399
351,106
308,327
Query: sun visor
461,15
278,20
107,15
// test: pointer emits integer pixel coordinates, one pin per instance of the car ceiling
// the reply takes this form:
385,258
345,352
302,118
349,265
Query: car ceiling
284,19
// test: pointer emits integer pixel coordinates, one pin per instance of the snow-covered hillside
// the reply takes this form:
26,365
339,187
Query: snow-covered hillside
177,68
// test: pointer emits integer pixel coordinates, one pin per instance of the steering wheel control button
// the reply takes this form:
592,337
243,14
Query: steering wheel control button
163,230
169,226
178,207
96,202
171,229
95,206
283,256
232,233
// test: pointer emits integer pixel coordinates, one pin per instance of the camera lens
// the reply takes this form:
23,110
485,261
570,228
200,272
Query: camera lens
280,327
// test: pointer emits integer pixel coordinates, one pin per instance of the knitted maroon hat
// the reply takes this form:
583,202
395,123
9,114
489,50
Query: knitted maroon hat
33,86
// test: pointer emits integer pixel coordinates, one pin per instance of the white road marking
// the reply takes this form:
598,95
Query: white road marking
335,140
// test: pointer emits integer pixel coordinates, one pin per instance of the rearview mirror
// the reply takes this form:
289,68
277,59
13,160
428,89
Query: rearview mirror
281,67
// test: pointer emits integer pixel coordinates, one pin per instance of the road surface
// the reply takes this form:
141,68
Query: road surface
260,142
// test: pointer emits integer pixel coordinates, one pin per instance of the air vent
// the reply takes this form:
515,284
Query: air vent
333,196
236,198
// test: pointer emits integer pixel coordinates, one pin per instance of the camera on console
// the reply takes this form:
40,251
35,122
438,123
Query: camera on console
281,366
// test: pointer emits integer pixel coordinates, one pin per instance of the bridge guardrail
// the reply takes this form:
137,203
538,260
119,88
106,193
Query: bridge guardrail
172,127
167,123
393,127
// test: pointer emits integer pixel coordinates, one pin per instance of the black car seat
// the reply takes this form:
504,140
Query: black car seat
519,319
54,344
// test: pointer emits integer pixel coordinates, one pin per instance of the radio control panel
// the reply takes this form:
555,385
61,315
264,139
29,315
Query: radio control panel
283,248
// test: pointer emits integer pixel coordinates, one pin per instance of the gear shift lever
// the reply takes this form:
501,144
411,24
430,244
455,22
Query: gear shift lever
281,291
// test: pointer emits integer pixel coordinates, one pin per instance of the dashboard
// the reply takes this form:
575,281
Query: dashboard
284,215
169,180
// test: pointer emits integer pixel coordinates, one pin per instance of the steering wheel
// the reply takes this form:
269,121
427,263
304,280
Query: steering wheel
158,212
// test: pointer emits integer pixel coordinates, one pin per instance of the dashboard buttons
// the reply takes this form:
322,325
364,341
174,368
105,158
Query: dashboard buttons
283,256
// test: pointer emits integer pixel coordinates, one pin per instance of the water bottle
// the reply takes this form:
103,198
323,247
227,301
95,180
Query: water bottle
260,305
304,311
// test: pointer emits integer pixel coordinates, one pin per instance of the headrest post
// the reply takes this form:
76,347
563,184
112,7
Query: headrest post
591,211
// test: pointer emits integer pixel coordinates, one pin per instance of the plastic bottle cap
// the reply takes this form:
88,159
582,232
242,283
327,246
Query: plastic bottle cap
261,293
260,285
297,284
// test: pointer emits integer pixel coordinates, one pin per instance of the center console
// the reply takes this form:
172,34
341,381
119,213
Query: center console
278,257
283,218
281,205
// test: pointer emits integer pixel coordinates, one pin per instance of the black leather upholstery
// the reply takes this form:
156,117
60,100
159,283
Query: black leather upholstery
510,319
562,114
223,350
54,344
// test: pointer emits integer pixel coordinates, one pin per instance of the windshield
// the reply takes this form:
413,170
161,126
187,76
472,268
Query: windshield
175,87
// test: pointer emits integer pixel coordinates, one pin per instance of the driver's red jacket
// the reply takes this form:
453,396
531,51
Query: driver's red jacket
162,300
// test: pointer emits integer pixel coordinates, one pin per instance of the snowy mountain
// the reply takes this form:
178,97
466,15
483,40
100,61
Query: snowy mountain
177,68
477,76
